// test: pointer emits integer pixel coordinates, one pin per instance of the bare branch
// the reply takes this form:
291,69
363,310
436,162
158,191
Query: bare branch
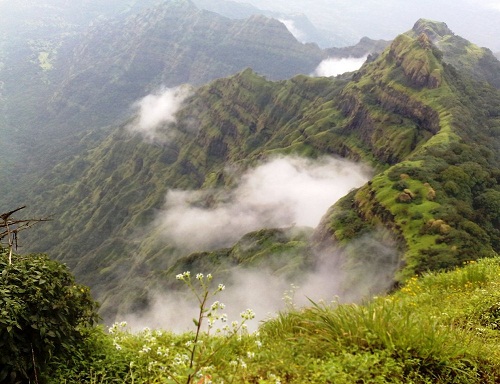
10,228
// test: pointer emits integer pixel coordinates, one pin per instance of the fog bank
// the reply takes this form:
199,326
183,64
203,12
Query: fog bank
282,192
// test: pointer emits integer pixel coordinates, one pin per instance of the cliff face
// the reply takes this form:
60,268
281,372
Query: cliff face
480,63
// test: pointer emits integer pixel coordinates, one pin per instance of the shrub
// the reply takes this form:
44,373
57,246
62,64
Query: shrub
43,313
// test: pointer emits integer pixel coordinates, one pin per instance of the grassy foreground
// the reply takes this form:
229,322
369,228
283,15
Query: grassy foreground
438,328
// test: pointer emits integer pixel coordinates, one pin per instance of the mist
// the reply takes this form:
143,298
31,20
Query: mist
477,21
334,280
292,28
282,192
334,67
156,110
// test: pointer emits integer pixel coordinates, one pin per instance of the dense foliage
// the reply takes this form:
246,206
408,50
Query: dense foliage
43,314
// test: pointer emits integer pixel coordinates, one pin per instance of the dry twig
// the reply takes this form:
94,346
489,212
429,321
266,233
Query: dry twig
10,228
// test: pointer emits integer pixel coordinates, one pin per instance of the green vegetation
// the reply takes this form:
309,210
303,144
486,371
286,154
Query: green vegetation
429,131
425,114
428,197
480,63
44,315
439,328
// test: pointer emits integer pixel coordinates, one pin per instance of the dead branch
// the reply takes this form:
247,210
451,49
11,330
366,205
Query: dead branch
11,227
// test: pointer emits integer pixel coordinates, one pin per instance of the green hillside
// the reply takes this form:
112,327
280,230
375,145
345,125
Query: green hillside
66,69
429,130
413,254
439,328
173,43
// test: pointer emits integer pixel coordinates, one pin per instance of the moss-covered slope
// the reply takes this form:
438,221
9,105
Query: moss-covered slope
475,61
440,195
431,133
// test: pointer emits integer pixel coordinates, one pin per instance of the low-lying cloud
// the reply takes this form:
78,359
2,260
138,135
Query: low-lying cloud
277,193
292,28
282,192
338,277
333,66
156,109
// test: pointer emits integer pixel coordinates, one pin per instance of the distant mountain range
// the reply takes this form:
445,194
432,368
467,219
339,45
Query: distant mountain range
423,112
66,69
297,23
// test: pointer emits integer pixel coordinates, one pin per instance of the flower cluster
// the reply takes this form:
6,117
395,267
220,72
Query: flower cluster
184,276
247,315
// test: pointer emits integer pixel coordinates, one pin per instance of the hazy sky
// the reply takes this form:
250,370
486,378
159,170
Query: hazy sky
478,21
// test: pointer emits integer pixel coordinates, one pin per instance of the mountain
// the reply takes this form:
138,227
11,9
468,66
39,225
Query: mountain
83,65
461,53
364,47
476,21
297,23
428,128
172,44
34,37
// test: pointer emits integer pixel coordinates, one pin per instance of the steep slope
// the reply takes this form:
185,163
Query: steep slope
72,68
114,188
172,44
441,196
34,37
480,63
431,133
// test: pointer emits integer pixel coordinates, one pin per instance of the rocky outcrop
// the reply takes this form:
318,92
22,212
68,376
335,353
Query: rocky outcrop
417,61
478,62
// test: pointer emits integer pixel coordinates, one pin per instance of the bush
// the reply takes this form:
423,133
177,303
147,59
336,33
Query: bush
43,314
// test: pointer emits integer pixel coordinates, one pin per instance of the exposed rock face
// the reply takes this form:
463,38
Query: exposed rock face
434,30
419,65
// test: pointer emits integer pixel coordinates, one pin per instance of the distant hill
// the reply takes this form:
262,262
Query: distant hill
66,69
173,43
364,47
297,23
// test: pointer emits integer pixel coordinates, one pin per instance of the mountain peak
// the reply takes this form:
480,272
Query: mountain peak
465,56
417,59
432,29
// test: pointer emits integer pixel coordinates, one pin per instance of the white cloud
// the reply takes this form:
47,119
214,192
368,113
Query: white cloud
334,67
279,193
296,32
156,109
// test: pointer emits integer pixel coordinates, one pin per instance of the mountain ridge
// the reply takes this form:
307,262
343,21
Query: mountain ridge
430,133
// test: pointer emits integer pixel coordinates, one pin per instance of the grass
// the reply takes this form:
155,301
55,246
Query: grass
438,328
